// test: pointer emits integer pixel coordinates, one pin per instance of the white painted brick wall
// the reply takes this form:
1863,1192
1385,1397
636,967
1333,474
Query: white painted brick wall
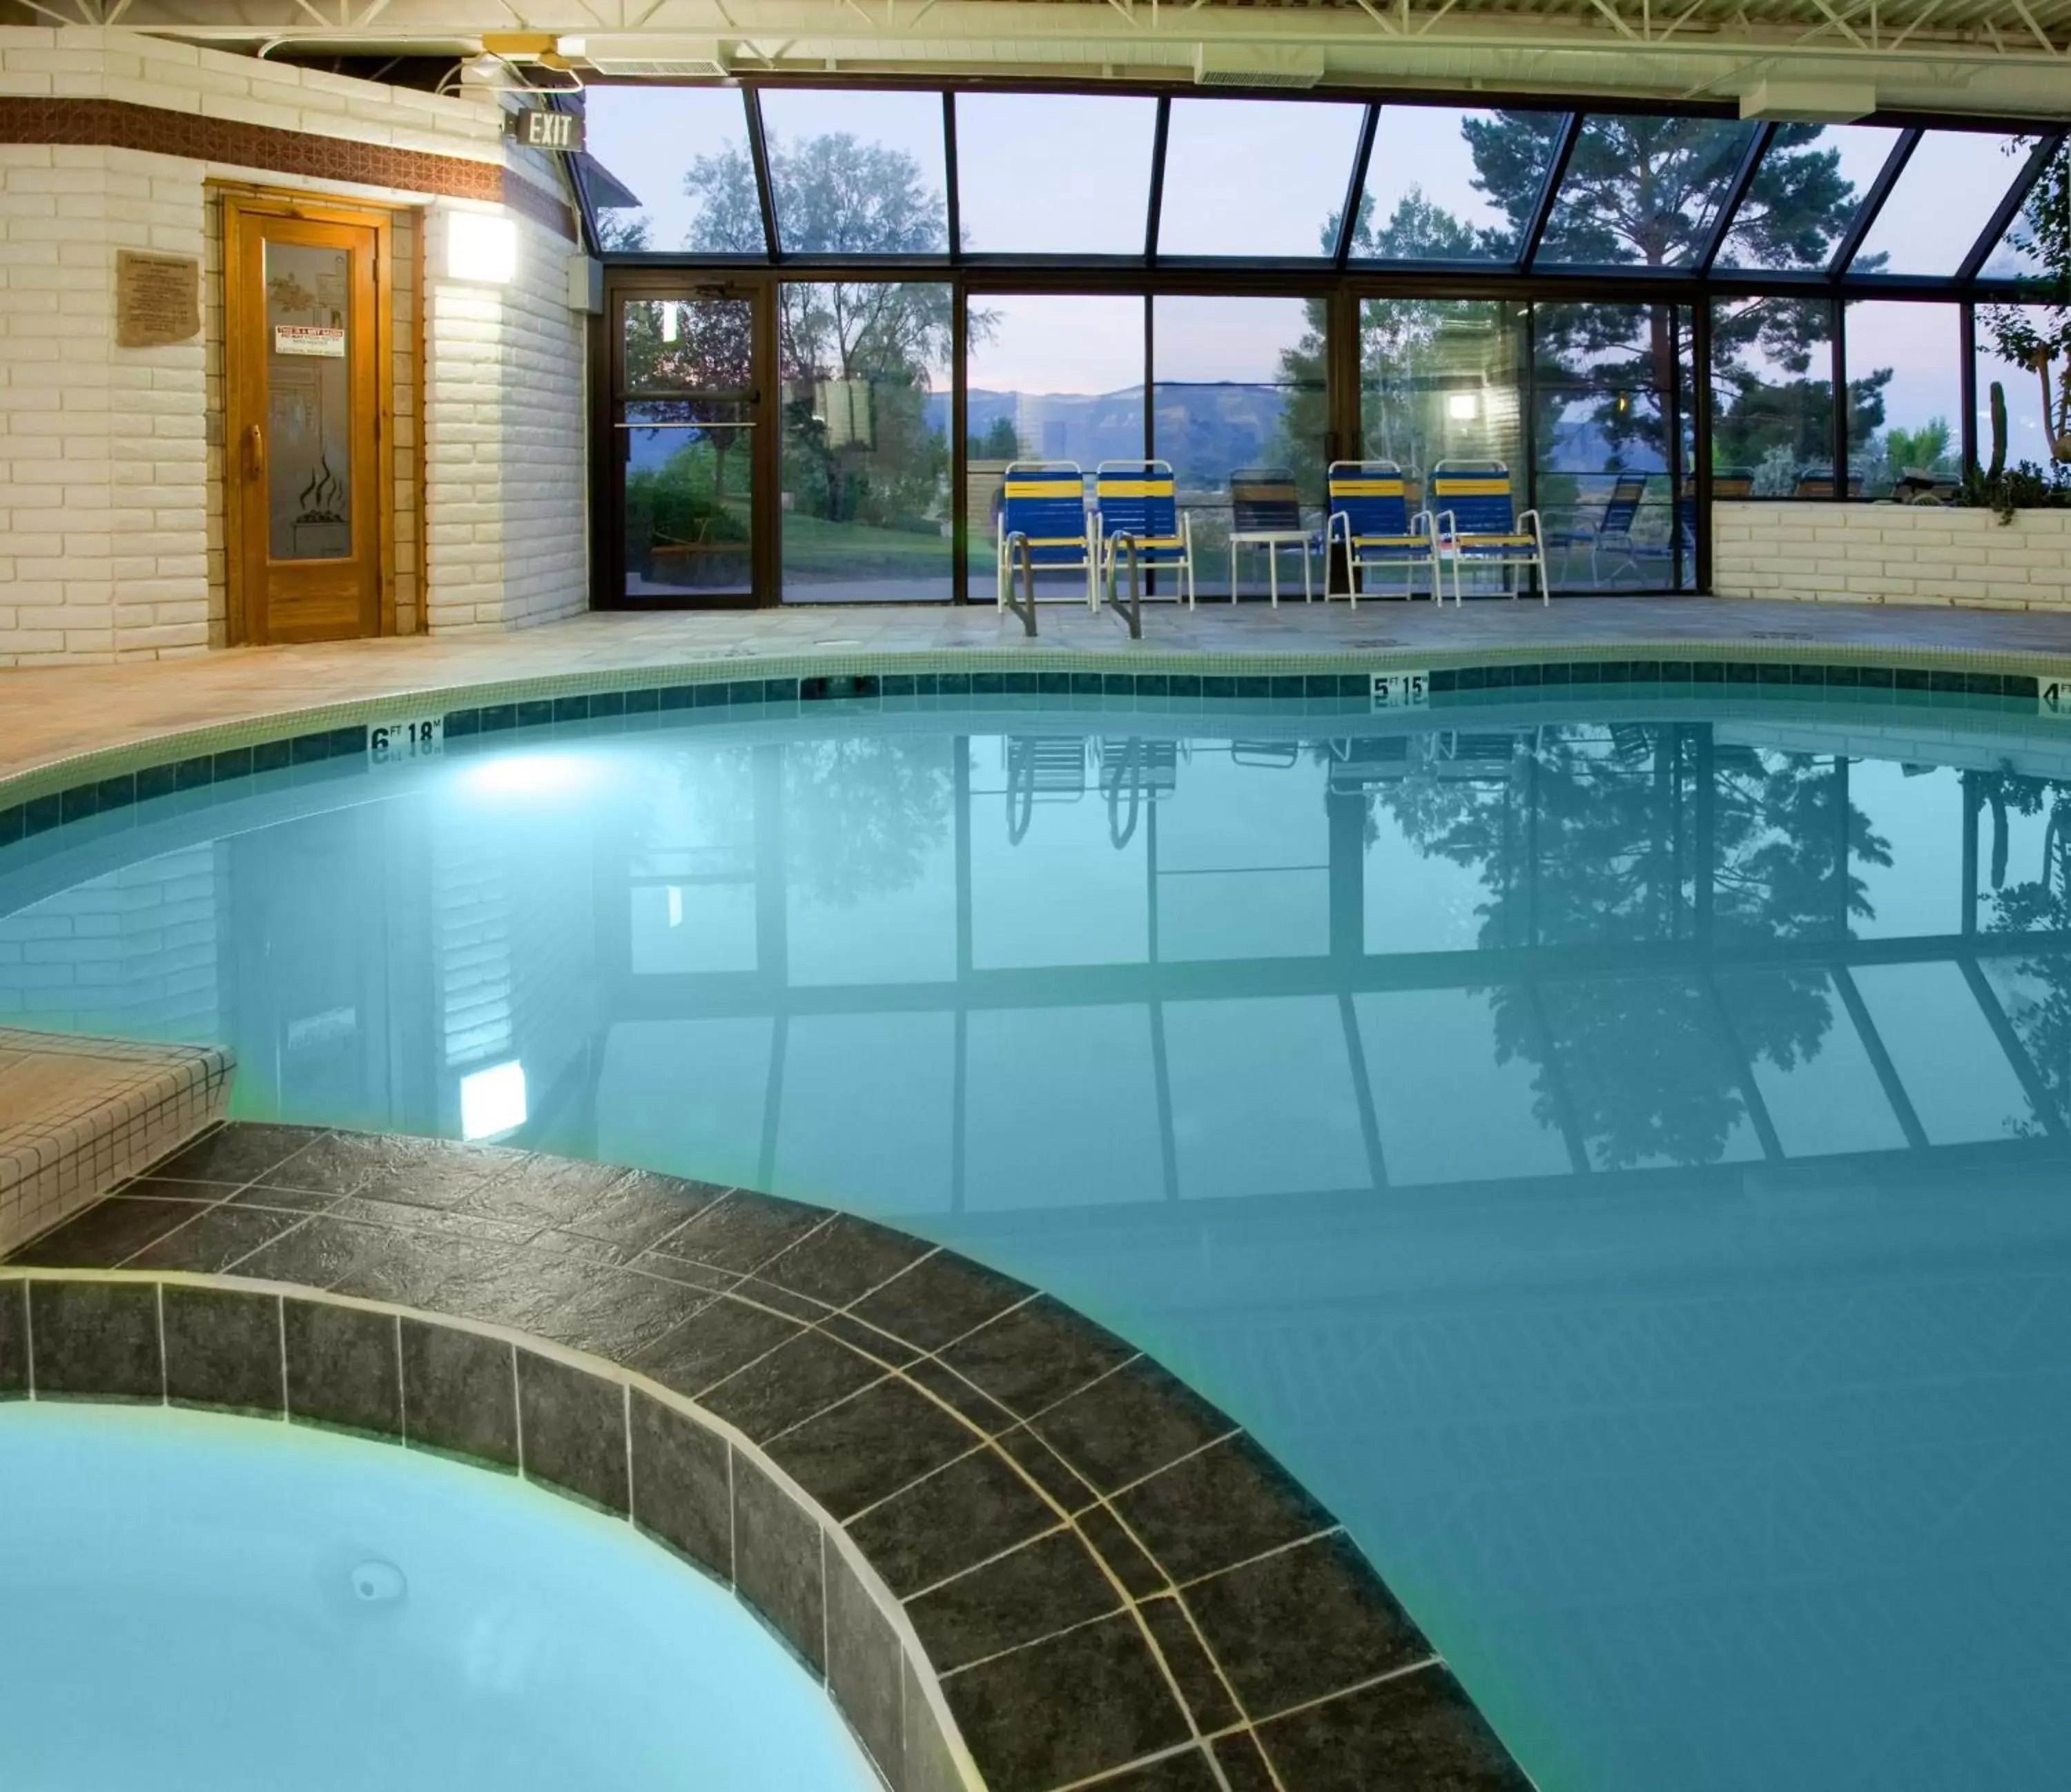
1892,554
111,536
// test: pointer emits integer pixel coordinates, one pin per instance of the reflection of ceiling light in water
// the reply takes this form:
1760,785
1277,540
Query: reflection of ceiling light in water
676,906
668,321
530,774
492,1101
1461,407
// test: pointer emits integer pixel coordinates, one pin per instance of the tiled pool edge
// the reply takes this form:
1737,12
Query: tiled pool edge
250,1347
1117,1584
79,787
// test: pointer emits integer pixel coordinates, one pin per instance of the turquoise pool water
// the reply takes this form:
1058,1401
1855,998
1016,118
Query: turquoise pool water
1612,1152
209,1604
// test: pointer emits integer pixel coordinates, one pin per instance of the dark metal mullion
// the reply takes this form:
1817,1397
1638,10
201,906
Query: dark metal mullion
1156,205
1866,214
959,444
1887,1073
1543,213
2031,1084
1736,196
1377,1159
1967,355
949,178
758,153
1837,423
1765,1127
2008,208
1700,405
1356,191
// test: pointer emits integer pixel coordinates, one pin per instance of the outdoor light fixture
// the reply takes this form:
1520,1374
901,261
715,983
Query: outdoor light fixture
1462,406
492,1101
481,246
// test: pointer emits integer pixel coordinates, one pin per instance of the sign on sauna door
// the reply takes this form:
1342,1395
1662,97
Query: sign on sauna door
306,338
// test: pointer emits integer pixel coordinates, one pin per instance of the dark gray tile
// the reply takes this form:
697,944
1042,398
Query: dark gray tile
97,1339
938,1300
641,1209
743,1231
438,1183
370,1261
505,1284
721,1337
237,1152
977,1507
1186,1660
1103,1674
1047,1469
1187,1771
425,1222
681,1493
617,1313
854,1454
14,1338
1223,1505
343,1369
796,1380
1129,1424
880,1347
930,1763
1111,1540
573,1430
1044,1587
214,1240
459,1393
342,1163
1418,1730
1243,1767
865,1663
223,1349
1308,1620
776,1560
843,1259
539,1192
162,1188
107,1234
280,1200
959,1395
1036,1355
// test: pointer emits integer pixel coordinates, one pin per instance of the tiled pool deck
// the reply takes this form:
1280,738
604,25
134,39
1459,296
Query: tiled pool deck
948,1492
53,714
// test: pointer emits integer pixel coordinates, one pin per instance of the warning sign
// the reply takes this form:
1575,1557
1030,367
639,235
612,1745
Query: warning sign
302,338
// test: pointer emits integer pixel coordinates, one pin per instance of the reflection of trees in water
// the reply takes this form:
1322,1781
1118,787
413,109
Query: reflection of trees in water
2035,989
1592,835
861,815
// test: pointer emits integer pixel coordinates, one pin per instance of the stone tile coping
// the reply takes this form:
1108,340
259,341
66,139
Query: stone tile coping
1021,1555
78,1116
115,779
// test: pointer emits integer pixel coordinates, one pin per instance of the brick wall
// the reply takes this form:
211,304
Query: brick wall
1892,554
111,460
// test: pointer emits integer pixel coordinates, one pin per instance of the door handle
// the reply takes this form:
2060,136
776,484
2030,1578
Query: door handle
255,452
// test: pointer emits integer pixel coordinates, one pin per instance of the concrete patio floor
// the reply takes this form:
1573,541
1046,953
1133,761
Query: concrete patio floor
49,714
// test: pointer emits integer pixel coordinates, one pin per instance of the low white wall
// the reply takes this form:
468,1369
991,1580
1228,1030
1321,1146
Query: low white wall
1819,553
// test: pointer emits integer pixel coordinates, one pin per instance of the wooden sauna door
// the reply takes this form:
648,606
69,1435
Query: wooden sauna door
305,342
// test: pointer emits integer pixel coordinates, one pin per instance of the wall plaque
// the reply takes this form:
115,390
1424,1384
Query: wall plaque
158,298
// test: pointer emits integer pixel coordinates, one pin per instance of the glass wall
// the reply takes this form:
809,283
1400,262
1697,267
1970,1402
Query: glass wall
1239,389
2027,428
1946,191
1048,376
1906,395
684,149
1643,192
1451,185
855,172
1251,177
1810,188
866,515
1006,150
1772,398
1441,379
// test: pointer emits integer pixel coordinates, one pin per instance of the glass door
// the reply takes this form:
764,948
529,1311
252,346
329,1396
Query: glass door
688,381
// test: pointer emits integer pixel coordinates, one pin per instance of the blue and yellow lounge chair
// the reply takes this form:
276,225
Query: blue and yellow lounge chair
1043,506
1478,525
1370,519
1138,502
1611,532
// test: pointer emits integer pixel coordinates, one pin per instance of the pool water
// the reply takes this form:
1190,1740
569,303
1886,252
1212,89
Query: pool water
210,1604
1614,1156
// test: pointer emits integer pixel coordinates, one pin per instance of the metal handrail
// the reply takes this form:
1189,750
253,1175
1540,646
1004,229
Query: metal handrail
1133,616
1018,543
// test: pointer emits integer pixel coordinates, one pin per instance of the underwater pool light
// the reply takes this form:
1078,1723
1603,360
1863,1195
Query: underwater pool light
492,1101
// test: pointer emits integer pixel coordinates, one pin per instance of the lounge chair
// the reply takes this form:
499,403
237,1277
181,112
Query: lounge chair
1370,521
1266,511
1479,525
1042,510
1137,503
1732,482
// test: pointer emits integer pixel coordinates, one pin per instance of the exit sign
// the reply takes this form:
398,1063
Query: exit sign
548,130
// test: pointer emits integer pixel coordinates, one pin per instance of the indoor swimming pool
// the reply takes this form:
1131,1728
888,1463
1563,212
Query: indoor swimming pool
219,1604
1612,1148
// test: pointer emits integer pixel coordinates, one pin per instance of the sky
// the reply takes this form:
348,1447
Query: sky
1065,174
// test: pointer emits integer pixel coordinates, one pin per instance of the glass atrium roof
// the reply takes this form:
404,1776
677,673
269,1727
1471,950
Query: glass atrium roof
1264,183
